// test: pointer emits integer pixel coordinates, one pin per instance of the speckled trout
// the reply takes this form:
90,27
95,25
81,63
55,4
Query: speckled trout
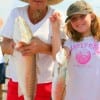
25,65
59,77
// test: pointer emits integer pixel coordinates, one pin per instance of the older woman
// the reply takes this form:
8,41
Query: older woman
37,15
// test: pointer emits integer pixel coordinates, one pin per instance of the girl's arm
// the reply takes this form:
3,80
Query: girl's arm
57,43
59,54
55,20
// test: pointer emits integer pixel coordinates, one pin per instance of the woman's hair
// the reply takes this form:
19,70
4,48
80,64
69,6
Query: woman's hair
76,36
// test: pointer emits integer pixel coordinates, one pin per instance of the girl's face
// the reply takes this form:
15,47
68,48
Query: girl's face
82,23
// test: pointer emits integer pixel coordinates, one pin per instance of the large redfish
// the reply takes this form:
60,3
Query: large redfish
25,65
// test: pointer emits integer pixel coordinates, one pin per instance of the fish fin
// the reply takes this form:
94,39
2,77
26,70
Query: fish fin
19,91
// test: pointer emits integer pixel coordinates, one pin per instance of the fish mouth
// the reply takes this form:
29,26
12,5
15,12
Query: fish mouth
38,1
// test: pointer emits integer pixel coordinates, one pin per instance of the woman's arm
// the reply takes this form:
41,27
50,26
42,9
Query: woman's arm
41,47
36,46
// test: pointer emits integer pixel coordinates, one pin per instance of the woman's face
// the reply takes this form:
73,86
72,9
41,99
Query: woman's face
38,4
82,23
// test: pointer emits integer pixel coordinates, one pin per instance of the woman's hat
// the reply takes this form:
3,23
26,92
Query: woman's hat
78,7
50,2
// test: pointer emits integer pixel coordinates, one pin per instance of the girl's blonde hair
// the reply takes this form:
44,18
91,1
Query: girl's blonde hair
76,36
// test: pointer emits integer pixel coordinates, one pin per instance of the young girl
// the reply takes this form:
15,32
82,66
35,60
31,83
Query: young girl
82,51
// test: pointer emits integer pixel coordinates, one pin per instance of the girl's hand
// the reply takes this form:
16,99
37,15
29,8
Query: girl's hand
55,20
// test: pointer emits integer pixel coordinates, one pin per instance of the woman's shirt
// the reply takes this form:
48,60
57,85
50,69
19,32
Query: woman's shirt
42,30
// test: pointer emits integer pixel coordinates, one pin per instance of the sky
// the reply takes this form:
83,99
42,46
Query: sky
7,5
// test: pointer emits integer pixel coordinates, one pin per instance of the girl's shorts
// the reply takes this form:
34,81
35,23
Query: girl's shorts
43,91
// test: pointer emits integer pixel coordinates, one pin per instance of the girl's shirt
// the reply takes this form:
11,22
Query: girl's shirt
83,69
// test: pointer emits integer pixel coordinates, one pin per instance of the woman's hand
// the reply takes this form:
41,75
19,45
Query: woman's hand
35,46
7,46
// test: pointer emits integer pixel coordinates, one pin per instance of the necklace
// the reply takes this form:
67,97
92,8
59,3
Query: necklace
36,15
